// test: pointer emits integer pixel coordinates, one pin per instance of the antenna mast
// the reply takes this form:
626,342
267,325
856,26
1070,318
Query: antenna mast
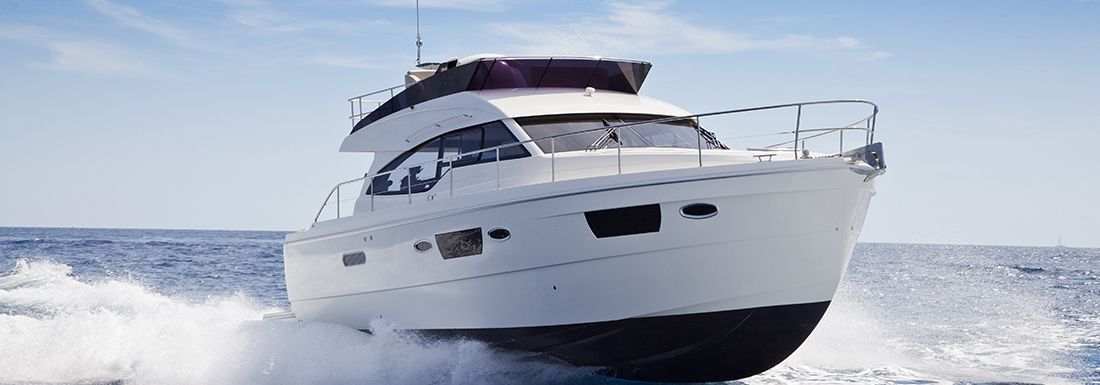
419,41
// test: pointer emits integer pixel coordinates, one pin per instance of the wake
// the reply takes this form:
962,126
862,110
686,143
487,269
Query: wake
57,329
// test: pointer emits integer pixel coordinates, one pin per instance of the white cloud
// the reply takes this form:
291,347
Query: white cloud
75,54
352,61
95,57
469,5
130,17
877,55
263,17
645,29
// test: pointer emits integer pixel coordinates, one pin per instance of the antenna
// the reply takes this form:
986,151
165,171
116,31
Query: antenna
419,40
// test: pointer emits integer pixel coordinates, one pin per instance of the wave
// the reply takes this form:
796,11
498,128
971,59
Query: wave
57,329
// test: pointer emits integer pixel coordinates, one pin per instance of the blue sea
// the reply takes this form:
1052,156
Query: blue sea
92,306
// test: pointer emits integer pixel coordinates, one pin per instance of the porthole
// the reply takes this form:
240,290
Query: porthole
422,246
500,234
699,211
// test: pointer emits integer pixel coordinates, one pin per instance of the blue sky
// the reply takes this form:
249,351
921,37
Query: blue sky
227,115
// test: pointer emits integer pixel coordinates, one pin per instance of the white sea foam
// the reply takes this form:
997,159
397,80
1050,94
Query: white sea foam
58,329
55,328
928,328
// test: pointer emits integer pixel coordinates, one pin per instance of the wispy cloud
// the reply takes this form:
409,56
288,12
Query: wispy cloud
264,17
345,61
649,29
79,55
469,5
132,18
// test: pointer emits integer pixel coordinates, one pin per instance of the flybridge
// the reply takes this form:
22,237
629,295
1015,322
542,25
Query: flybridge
503,73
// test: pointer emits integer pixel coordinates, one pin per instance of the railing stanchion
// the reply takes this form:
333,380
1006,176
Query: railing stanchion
498,168
451,170
352,117
371,194
338,201
699,140
619,150
871,130
797,126
409,186
841,141
553,152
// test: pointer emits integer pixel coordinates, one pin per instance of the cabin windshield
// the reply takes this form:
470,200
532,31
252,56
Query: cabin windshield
586,133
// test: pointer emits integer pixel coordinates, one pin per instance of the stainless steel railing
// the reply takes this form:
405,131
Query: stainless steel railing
799,136
357,111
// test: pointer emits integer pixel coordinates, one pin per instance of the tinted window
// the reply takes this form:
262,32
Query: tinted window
461,243
425,173
511,73
463,141
568,73
496,134
624,221
586,133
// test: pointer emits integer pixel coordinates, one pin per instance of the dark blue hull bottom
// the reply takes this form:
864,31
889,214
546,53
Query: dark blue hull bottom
702,347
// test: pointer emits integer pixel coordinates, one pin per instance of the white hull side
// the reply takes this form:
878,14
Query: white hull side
784,235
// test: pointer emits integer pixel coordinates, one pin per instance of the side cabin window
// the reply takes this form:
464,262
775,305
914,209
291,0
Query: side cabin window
430,161
579,132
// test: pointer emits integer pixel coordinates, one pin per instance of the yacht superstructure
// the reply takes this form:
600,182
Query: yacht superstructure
541,204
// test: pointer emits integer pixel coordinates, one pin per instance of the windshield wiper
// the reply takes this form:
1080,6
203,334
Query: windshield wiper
709,138
609,134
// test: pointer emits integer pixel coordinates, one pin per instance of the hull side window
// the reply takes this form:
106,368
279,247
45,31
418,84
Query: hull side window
624,221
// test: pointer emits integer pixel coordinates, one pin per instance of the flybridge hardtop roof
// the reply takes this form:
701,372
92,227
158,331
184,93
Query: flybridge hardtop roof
496,73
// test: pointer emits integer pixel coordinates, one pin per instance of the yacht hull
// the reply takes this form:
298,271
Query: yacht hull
707,299
699,347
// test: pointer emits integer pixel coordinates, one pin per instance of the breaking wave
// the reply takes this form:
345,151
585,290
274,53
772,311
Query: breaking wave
55,328
900,317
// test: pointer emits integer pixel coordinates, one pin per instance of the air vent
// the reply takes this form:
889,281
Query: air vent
699,211
624,221
462,243
355,258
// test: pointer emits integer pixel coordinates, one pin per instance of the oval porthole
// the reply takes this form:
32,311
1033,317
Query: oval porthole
500,234
422,246
699,211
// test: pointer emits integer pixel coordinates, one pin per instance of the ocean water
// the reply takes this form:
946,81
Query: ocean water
93,306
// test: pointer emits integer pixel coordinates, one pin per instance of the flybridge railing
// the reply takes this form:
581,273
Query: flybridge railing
372,101
799,136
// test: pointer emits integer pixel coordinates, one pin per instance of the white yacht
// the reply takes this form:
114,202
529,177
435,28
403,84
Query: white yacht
541,204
